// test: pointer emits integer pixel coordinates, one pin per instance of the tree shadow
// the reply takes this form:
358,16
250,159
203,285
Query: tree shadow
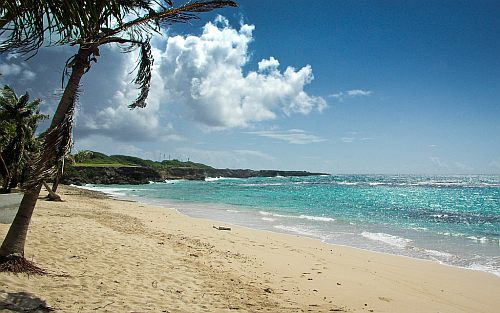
23,302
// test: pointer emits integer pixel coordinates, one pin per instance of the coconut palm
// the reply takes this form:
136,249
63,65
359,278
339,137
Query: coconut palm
88,25
19,121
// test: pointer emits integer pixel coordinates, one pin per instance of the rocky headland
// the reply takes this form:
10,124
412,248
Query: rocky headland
131,175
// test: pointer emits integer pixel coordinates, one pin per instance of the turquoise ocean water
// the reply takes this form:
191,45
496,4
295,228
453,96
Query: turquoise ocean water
453,220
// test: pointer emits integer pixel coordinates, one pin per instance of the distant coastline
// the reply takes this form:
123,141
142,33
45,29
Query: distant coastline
131,175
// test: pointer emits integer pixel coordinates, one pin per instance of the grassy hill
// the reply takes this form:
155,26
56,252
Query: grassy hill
97,159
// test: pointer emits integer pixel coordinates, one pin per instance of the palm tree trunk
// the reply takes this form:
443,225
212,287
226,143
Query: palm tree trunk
16,237
56,183
52,195
57,178
67,101
13,244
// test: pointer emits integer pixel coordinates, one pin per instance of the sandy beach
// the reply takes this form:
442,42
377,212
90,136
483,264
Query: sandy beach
107,255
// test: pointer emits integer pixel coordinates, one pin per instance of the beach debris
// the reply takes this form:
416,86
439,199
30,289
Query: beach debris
268,290
221,227
15,263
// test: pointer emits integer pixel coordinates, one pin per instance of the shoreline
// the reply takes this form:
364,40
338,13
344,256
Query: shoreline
182,207
127,256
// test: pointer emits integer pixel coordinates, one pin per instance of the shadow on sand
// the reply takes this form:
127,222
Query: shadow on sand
22,302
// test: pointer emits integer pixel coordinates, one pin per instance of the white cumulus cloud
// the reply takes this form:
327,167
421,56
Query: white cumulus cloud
206,74
17,70
112,117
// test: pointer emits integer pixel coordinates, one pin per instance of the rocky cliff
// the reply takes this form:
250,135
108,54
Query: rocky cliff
80,175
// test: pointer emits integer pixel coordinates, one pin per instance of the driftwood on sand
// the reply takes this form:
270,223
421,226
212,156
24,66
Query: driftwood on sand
222,227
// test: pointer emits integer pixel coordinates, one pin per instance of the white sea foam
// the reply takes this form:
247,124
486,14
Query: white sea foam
432,183
269,219
387,239
300,231
451,234
317,218
417,228
439,254
271,214
478,239
302,216
484,268
263,184
347,183
440,215
214,178
115,191
171,181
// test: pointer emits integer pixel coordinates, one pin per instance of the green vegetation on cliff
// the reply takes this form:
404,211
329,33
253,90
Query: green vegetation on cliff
97,159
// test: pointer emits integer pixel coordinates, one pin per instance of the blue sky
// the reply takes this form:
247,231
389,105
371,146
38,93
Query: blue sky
332,86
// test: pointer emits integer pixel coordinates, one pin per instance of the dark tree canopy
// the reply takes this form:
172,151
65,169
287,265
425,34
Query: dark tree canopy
18,121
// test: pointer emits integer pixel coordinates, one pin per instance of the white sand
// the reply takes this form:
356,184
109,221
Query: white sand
118,256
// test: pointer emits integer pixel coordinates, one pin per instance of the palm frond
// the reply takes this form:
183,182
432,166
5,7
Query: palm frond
26,25
167,16
144,73
56,146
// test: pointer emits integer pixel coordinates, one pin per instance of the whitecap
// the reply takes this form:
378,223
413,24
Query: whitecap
213,178
209,179
317,218
115,191
347,183
302,216
387,239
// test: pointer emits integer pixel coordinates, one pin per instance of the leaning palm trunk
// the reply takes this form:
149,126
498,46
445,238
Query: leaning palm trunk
57,178
89,31
52,195
56,144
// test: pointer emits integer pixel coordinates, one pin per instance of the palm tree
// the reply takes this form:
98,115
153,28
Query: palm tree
87,24
19,121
